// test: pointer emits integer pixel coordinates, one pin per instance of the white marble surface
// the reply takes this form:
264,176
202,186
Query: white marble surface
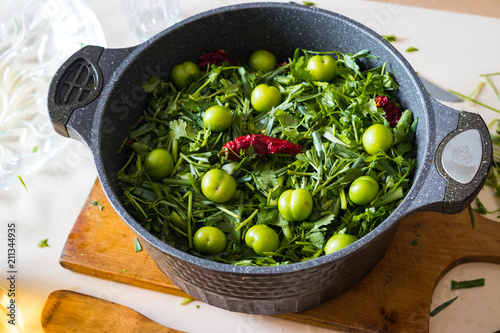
454,49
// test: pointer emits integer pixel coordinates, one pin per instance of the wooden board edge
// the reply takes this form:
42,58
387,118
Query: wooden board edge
121,277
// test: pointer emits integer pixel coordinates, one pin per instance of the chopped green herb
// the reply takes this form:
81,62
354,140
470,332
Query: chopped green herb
327,119
137,245
22,181
466,284
98,204
442,307
471,214
390,38
411,49
123,271
308,3
43,243
197,306
35,149
481,209
186,301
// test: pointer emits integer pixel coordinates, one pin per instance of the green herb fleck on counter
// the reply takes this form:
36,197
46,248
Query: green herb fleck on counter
186,301
467,284
98,204
137,245
35,149
442,307
22,182
43,243
390,38
411,49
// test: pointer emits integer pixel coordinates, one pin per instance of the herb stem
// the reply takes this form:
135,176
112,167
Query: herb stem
490,84
250,218
343,199
474,101
301,174
466,284
442,307
173,181
491,74
189,218
227,211
175,147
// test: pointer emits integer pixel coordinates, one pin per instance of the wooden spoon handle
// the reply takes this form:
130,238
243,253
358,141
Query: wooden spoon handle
69,311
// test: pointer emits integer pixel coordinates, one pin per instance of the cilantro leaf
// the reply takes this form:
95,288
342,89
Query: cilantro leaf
179,128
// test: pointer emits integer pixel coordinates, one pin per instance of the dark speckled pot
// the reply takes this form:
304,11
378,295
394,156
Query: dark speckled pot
96,96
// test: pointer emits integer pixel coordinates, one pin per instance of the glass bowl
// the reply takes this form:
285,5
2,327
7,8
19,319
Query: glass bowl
36,37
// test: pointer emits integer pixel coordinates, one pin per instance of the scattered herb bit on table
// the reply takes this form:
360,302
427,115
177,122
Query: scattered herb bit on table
389,38
35,149
98,204
467,284
411,49
213,166
22,182
442,306
186,301
137,245
43,243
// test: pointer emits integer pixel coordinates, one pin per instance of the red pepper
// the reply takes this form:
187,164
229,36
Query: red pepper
216,58
262,145
392,112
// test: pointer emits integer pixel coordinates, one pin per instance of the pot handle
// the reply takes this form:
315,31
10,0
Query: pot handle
460,164
77,84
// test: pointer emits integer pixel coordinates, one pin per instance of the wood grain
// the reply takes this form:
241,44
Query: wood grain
394,297
68,311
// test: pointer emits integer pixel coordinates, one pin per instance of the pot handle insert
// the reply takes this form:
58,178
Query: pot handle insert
77,84
462,159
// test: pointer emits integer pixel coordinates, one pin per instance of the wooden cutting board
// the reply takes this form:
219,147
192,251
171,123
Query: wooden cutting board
394,297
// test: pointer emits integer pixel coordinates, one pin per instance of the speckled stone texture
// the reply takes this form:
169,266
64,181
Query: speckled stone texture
280,28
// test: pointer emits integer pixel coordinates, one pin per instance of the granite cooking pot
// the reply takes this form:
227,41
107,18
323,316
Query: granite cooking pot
96,96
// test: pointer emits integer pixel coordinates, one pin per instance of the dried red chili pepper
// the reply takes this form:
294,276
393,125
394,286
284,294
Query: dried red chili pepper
392,112
216,58
262,145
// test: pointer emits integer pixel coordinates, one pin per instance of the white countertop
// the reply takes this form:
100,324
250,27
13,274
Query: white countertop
454,49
